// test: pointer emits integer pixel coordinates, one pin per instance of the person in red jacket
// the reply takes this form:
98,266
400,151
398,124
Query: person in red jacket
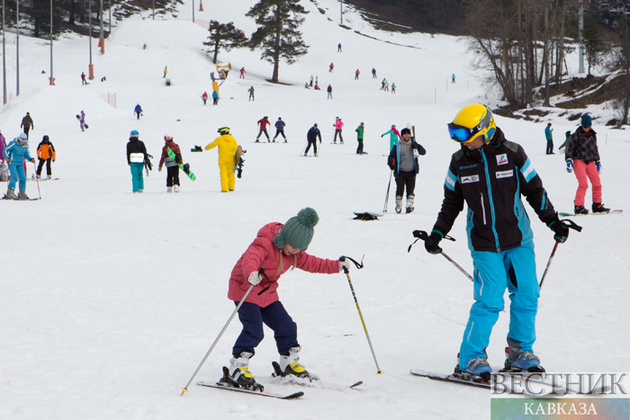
172,167
263,128
276,249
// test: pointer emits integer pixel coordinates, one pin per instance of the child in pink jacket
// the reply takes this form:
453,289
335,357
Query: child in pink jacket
338,127
276,249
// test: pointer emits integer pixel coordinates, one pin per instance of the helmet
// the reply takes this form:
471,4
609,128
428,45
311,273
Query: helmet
168,138
134,133
224,130
472,121
46,138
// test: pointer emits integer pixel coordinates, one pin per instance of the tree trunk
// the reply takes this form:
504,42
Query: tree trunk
216,51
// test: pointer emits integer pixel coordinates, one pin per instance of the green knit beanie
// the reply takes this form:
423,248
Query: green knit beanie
298,230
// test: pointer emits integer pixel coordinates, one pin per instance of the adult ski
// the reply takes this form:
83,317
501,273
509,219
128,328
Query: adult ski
259,393
616,211
185,168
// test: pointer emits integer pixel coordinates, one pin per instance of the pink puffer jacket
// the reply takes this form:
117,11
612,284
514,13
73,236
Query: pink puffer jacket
263,253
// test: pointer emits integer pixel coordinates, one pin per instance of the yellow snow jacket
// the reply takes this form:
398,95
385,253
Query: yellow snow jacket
227,148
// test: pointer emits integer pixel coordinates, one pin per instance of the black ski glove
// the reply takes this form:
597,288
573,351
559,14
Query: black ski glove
431,244
560,229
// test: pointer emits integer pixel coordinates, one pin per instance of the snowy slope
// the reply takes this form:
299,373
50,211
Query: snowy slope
111,299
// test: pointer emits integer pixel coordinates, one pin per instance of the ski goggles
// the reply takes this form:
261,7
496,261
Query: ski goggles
461,134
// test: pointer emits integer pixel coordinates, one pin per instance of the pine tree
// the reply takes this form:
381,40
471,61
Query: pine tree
277,34
226,36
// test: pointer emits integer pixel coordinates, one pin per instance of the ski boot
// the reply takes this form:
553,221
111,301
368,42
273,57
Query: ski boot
599,208
410,207
240,376
477,370
398,204
169,189
290,366
176,188
10,195
22,195
524,361
580,210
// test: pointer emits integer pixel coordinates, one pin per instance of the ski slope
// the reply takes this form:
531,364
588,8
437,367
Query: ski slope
110,300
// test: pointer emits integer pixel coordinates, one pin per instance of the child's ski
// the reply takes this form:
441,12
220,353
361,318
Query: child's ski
259,393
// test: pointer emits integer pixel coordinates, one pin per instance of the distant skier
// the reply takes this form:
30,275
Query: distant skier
279,129
204,98
360,130
383,83
311,138
338,128
83,81
403,160
136,157
339,47
242,73
356,74
393,87
82,121
46,154
15,154
386,89
172,167
227,160
453,78
215,97
165,71
138,111
329,90
27,123
394,135
311,83
277,248
373,73
251,93
331,68
263,122
549,137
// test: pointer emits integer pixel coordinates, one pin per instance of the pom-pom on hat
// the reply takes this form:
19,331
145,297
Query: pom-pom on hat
298,230
586,121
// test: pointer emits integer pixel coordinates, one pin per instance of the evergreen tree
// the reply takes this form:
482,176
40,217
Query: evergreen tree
39,16
277,34
226,36
594,47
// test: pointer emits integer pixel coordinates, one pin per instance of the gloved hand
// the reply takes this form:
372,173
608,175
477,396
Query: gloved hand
254,278
8,160
560,229
32,160
160,169
431,244
344,264
599,167
570,165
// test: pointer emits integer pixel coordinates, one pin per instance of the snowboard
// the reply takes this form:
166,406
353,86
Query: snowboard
239,161
616,211
366,216
185,168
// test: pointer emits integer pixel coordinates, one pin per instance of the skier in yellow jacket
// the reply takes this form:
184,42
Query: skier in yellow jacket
227,159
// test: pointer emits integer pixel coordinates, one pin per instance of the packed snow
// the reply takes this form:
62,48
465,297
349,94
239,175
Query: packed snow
111,299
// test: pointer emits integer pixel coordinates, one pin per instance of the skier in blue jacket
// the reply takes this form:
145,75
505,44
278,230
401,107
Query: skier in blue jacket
15,154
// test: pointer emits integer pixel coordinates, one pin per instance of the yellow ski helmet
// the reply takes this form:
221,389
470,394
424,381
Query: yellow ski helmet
224,130
472,121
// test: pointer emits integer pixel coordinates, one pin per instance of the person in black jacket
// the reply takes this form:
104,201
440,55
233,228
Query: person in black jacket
490,174
311,137
403,160
136,157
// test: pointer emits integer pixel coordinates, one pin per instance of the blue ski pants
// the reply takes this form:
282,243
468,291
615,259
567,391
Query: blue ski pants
136,176
514,269
17,172
275,317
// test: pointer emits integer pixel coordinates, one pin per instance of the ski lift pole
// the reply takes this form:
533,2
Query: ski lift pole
185,389
347,272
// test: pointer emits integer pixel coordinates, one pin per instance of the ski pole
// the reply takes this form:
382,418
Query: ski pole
387,195
185,389
571,225
421,234
39,192
347,272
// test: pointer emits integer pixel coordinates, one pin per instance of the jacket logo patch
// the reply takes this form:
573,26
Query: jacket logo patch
502,159
469,179
505,174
